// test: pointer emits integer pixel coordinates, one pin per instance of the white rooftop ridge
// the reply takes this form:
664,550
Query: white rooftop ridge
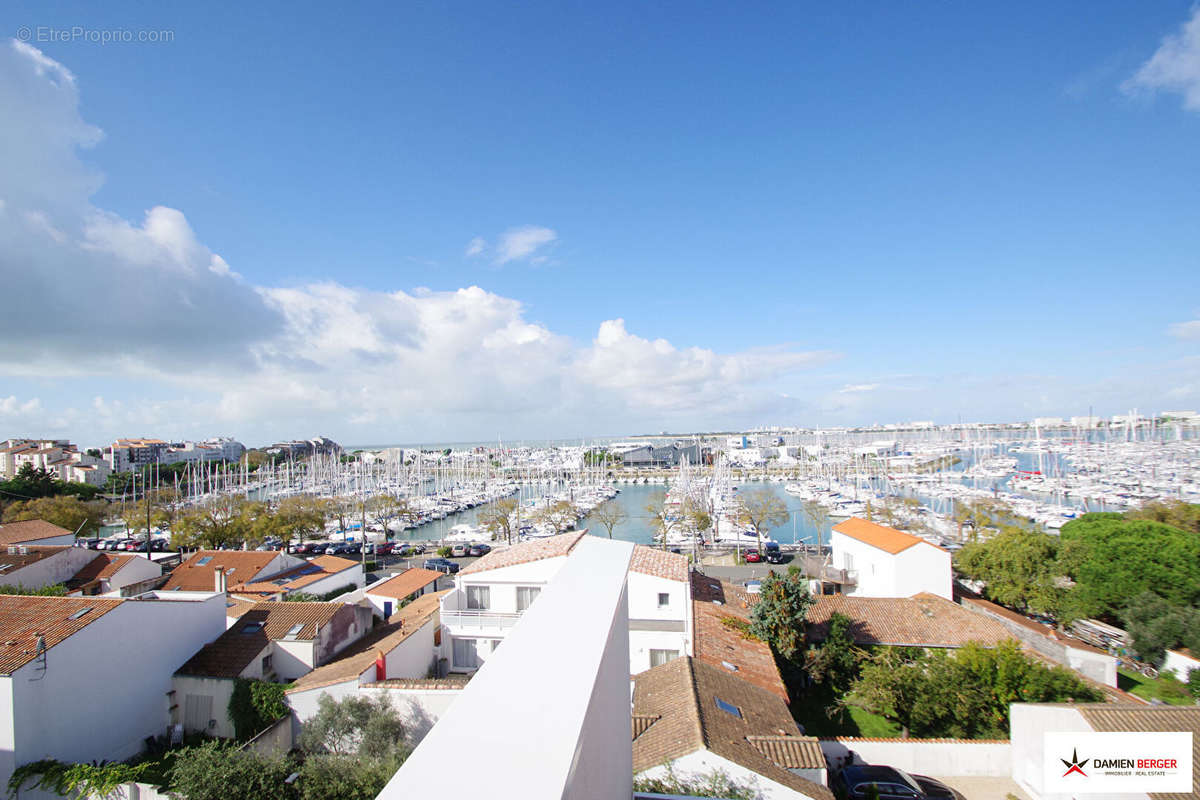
533,732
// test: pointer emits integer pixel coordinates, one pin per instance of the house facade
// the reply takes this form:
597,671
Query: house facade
883,562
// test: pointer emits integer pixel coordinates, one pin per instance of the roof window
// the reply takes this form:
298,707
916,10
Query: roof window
252,627
294,631
80,613
728,708
204,561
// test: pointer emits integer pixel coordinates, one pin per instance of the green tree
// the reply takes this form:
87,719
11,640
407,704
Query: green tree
835,662
220,521
716,783
217,770
64,511
1019,568
331,777
610,514
354,726
778,616
761,510
664,519
301,515
1176,513
1156,626
497,519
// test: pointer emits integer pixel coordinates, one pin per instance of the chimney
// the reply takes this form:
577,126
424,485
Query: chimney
219,579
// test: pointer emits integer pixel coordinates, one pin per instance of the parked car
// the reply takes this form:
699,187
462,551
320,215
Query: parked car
752,556
857,781
479,550
772,553
90,544
384,548
459,550
441,565
318,548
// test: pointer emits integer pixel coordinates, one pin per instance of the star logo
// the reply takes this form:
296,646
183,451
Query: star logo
1074,765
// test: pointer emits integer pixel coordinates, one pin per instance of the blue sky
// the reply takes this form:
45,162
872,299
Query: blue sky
833,215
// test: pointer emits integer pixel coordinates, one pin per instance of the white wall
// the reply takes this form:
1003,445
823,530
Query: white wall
220,690
1027,724
703,762
920,568
58,568
419,708
924,568
643,591
538,733
347,577
134,571
290,660
930,757
105,688
1179,664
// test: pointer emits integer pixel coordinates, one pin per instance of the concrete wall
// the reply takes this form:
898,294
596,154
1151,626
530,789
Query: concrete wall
1027,724
105,689
58,568
276,739
1099,667
1180,664
220,690
539,733
135,570
925,757
703,762
347,577
290,660
419,708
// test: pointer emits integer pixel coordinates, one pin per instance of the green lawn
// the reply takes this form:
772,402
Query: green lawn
1167,688
809,713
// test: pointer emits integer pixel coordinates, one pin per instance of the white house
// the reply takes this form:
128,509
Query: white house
386,595
36,567
215,570
90,678
491,594
884,562
34,532
318,576
698,718
270,641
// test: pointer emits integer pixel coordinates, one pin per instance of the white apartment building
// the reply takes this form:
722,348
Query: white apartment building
884,562
491,594
57,456
85,679
124,455
80,571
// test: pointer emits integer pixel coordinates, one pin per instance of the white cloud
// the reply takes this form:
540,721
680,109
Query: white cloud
475,247
1175,66
12,407
851,388
517,244
1186,330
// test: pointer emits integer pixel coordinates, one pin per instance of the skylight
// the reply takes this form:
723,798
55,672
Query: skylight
728,708
80,613
730,667
252,627
294,631
204,561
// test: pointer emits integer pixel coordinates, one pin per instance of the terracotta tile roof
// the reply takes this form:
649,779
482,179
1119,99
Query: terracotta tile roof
525,552
231,652
1115,718
29,531
659,563
356,658
717,644
235,608
405,583
192,576
23,618
12,559
448,683
103,566
992,609
642,723
317,569
684,693
923,620
887,539
791,752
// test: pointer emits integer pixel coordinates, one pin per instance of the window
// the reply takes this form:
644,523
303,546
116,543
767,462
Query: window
479,597
728,708
80,613
849,559
252,627
266,665
664,599
204,561
465,654
526,595
660,657
294,631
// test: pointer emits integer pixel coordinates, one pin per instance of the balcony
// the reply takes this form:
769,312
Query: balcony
478,621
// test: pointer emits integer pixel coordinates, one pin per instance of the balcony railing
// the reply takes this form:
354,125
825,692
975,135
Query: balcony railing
477,618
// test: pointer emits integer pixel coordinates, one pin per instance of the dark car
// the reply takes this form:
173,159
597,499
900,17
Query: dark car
752,556
479,550
318,548
860,781
772,553
441,565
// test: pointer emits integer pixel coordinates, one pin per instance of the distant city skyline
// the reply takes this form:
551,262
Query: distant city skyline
550,222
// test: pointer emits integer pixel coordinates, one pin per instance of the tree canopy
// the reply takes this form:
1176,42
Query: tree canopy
65,511
1019,566
778,616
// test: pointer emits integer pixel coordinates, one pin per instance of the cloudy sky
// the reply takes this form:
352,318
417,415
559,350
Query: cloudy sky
568,220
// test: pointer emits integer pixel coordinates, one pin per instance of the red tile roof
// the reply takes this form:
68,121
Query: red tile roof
923,620
231,652
317,569
31,530
717,642
23,619
103,566
525,552
406,583
659,563
887,539
240,565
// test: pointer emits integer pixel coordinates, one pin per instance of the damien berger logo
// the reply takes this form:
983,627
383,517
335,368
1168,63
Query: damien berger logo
1117,762
1074,765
